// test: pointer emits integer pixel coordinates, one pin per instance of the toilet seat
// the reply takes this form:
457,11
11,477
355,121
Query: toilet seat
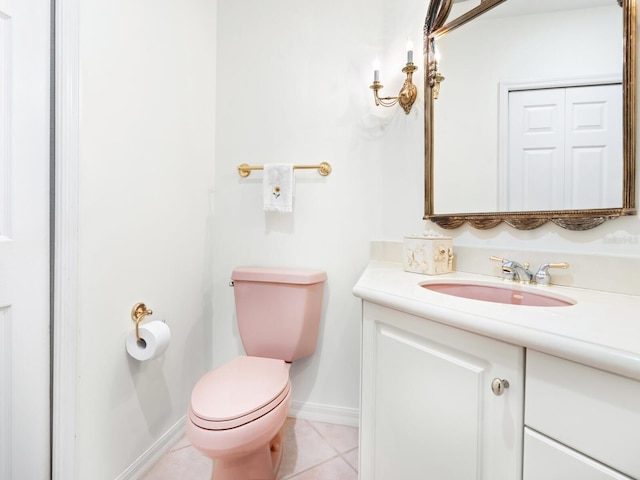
238,392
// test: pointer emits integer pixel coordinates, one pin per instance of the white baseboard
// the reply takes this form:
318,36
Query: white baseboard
150,457
325,413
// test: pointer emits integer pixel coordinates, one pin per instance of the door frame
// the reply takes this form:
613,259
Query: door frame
64,321
503,114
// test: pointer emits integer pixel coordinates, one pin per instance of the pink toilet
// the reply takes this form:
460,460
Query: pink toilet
238,410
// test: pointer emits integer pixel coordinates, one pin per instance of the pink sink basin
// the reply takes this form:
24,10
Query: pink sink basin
490,293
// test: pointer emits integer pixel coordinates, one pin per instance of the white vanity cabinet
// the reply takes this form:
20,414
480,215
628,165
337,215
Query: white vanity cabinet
428,410
582,422
428,361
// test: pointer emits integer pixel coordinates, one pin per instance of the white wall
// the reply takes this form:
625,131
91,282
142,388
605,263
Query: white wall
147,79
293,87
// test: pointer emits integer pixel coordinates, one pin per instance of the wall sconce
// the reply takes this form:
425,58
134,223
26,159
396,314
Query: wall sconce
408,92
434,77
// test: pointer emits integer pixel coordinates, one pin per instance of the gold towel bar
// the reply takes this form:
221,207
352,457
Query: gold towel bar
324,168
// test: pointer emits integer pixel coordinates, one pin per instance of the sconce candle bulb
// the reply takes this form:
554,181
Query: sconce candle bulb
376,70
409,51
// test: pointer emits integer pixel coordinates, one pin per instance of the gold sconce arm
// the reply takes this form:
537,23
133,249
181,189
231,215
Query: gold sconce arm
435,79
407,95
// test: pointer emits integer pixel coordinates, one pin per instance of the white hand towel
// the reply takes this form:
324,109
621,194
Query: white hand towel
277,187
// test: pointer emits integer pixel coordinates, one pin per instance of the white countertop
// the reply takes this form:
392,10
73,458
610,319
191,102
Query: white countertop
601,330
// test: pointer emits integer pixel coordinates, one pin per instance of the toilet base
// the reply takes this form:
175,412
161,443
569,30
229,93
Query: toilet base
262,464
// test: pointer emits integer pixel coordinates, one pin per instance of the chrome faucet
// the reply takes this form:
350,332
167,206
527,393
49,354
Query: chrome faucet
514,271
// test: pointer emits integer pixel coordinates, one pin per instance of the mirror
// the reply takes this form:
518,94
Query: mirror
534,119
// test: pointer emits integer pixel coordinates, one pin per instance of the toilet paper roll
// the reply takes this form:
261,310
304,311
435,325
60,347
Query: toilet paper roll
154,340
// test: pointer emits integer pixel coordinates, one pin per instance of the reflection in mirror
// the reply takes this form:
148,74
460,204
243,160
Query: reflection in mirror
530,116
460,7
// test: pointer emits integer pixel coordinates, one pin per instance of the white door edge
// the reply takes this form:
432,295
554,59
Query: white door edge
65,293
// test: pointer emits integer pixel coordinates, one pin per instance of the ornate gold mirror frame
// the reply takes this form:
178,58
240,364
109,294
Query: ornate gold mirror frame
570,219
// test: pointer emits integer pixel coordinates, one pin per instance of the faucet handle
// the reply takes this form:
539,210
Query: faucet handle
542,275
558,265
498,259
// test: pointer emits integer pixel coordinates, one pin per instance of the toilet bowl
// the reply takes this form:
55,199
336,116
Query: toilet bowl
237,411
236,415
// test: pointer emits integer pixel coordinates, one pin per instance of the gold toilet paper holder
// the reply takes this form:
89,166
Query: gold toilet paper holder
138,312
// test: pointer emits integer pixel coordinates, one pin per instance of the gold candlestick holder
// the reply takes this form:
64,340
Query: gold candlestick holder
435,78
407,95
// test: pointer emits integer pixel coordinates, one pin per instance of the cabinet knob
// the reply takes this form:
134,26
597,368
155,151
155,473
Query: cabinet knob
498,386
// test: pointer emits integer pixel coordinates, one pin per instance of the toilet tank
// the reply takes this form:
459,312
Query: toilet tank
278,310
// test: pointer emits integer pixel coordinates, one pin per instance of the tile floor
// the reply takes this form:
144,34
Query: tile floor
313,451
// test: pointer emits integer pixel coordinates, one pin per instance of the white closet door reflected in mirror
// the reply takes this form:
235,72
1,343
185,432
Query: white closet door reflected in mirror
564,147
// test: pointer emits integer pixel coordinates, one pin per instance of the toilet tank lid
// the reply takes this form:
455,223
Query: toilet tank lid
279,275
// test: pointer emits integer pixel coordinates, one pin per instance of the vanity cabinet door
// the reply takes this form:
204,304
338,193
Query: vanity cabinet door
427,407
546,459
